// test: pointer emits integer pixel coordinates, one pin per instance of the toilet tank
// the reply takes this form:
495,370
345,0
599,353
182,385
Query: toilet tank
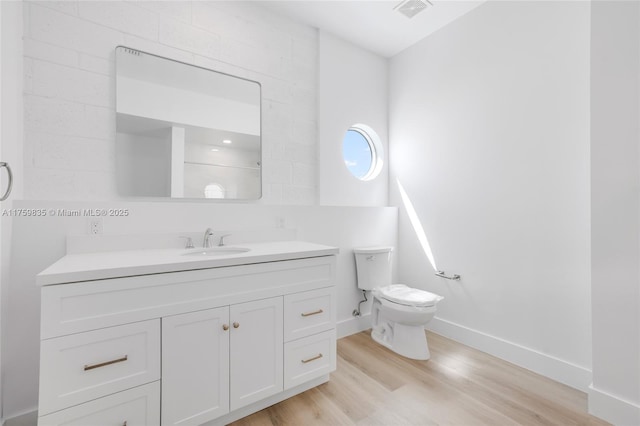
373,266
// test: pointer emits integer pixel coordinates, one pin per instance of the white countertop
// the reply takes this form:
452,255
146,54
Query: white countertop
116,264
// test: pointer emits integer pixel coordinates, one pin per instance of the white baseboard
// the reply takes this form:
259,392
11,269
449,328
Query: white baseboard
353,325
554,368
615,410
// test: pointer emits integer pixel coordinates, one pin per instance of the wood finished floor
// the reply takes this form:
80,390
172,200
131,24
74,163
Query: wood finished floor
457,386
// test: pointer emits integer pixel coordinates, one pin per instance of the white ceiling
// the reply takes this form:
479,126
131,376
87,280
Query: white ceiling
373,25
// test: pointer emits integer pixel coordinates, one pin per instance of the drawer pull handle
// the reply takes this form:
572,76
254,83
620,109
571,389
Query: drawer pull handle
308,314
236,325
304,361
104,364
225,327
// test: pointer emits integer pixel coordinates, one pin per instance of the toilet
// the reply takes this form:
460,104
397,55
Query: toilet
399,313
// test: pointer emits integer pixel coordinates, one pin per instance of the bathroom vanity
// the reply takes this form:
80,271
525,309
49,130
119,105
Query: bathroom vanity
171,336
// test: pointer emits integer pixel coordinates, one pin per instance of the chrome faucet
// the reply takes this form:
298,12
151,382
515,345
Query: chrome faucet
221,243
189,244
205,241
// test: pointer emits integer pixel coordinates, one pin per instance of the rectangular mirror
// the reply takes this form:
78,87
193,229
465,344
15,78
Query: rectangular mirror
185,132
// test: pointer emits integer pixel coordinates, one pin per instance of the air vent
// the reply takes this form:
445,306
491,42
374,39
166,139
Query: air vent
411,8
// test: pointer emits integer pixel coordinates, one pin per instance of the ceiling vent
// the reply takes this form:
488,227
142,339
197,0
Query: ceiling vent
411,8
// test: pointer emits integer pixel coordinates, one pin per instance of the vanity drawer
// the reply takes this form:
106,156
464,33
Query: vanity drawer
309,358
80,367
134,407
308,313
90,305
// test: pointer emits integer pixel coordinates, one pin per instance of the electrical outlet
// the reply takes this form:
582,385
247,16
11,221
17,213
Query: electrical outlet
95,226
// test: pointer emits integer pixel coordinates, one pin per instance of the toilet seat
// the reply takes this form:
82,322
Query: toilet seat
407,296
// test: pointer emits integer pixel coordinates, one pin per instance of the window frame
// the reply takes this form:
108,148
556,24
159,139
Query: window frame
375,147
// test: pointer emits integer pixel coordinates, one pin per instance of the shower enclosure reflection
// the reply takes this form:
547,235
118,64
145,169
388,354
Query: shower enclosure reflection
185,131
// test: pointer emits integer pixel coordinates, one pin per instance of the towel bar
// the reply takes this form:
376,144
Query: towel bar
10,184
442,274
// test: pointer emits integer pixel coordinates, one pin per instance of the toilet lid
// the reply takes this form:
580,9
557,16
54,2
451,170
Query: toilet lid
400,293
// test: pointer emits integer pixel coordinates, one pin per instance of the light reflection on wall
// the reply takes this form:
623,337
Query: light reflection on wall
417,225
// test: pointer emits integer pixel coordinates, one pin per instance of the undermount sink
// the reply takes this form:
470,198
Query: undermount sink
216,251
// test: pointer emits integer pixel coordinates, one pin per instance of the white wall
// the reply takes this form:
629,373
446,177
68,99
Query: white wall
70,77
352,89
42,242
489,134
615,210
10,145
2,250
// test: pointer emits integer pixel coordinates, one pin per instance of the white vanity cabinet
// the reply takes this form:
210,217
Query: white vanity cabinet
310,336
86,366
195,366
133,407
238,347
256,351
188,347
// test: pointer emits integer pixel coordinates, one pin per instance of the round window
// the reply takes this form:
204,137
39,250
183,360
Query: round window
362,152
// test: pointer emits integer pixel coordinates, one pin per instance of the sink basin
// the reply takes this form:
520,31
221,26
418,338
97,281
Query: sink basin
216,251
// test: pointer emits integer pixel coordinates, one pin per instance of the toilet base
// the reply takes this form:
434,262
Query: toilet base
401,328
406,340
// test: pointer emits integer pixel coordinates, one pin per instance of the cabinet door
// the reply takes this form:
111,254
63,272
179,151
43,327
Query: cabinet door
256,351
195,367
